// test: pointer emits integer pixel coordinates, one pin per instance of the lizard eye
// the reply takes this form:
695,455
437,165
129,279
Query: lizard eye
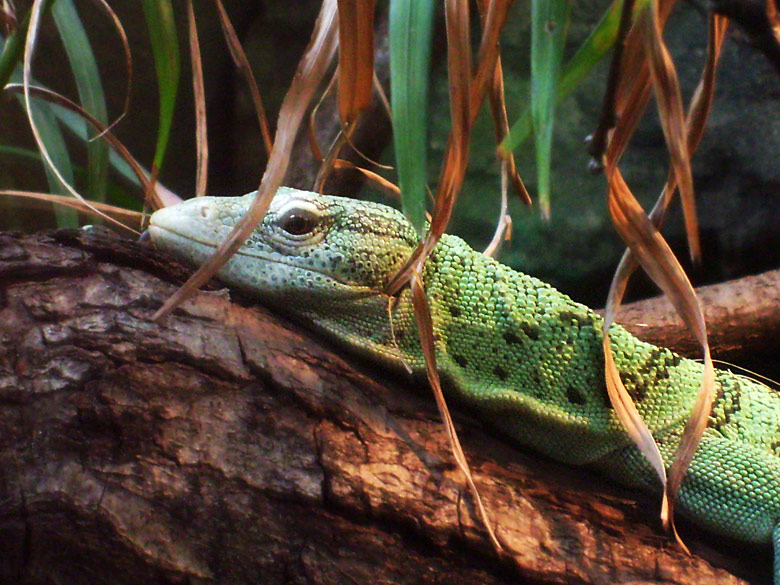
298,222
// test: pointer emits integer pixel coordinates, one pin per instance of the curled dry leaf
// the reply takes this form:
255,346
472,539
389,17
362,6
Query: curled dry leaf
695,122
670,108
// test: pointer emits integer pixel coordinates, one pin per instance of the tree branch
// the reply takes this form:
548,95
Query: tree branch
225,445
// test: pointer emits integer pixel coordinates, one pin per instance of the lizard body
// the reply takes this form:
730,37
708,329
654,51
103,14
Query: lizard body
523,356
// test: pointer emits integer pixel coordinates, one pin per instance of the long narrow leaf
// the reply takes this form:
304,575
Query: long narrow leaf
356,58
161,196
242,63
199,96
54,142
121,214
165,48
410,31
697,115
422,314
90,87
670,108
590,53
59,178
549,21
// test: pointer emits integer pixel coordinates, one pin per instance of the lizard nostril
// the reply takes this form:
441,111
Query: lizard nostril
205,210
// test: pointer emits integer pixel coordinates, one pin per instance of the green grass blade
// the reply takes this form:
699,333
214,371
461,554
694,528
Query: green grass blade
595,47
52,138
75,124
549,21
410,30
90,88
51,134
165,48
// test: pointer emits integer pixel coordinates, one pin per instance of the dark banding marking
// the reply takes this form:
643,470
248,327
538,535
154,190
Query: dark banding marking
638,391
575,395
568,316
726,386
460,360
531,331
652,361
635,386
511,338
500,373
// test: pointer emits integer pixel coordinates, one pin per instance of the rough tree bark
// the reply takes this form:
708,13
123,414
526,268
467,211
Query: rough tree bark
224,445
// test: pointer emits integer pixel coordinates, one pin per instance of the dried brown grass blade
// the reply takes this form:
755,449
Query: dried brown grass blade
501,129
774,21
657,259
670,108
494,16
312,132
597,142
425,328
8,20
633,88
497,11
162,196
356,59
242,64
308,76
456,155
695,122
384,185
327,165
199,95
380,92
128,61
504,224
121,215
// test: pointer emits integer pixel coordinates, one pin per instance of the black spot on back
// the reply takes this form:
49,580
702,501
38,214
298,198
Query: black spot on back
510,337
575,395
455,311
460,360
531,331
500,373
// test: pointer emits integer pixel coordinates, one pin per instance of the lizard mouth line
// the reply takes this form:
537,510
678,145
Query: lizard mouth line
242,252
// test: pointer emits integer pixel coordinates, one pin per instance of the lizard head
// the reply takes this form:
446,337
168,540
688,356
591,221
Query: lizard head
307,243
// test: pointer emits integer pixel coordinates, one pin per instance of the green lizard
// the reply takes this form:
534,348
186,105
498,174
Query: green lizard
524,356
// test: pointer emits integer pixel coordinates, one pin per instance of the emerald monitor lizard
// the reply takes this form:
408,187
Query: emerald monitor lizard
522,355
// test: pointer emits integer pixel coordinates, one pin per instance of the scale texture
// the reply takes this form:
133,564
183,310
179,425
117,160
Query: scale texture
511,349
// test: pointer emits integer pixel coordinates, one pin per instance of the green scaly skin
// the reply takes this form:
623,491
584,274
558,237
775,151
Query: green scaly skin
522,355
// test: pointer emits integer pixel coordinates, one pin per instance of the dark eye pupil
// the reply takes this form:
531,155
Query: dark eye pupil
298,224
